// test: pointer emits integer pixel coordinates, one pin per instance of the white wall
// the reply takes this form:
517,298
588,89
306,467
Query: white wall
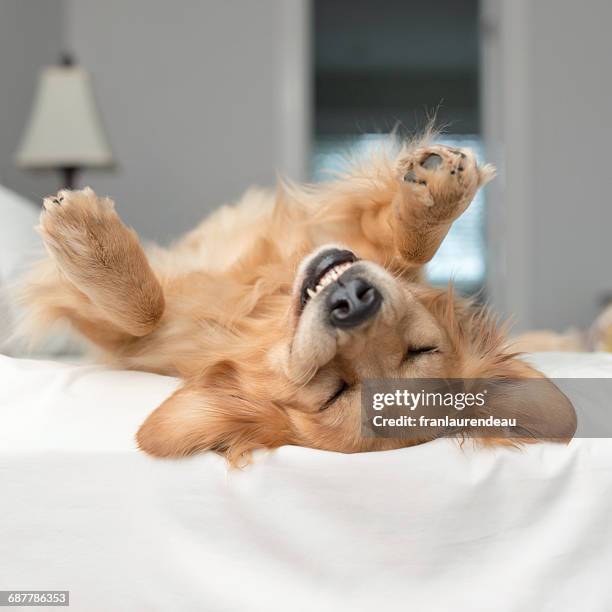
30,38
201,99
547,89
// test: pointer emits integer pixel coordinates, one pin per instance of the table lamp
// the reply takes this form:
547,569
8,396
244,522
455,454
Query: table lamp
64,131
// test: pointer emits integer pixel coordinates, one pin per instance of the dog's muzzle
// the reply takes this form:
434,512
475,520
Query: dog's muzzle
338,278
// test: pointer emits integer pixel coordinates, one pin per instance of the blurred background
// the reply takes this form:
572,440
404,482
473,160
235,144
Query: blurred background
176,107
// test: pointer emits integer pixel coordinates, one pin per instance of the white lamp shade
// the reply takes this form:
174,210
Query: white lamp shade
64,129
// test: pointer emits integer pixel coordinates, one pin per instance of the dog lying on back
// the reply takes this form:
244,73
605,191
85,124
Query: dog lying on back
274,311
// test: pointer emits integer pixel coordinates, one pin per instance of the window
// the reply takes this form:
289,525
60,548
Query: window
391,62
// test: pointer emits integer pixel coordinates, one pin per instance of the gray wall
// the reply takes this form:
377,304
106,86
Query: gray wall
572,95
201,98
547,101
30,37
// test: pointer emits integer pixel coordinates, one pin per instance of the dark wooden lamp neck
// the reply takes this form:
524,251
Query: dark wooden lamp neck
69,174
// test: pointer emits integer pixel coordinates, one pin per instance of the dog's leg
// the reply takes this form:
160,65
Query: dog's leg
103,282
398,212
436,185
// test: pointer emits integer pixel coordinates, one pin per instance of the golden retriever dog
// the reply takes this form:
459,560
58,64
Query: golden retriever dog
273,311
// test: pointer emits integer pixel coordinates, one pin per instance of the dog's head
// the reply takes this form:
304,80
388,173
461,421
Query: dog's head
299,382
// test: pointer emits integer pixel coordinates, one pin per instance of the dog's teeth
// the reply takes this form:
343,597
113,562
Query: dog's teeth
329,277
341,269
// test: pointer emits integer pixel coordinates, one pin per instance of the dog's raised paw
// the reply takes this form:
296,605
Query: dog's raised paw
444,179
81,202
78,226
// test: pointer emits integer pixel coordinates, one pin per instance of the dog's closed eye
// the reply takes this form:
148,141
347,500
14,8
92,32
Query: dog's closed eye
413,352
344,386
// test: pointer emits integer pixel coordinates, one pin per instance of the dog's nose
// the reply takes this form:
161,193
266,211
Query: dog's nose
353,302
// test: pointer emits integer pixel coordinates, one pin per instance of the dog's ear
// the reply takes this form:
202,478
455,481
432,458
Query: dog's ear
196,418
541,410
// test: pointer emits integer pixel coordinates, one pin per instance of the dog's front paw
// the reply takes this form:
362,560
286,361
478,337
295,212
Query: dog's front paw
443,179
80,231
75,209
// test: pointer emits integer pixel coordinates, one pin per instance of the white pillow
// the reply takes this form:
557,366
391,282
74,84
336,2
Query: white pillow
18,240
19,245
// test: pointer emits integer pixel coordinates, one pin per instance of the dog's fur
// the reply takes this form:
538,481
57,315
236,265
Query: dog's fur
221,308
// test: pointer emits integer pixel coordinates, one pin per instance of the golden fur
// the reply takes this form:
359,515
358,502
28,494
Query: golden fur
220,308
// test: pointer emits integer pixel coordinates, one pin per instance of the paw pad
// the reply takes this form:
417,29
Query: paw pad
411,177
432,161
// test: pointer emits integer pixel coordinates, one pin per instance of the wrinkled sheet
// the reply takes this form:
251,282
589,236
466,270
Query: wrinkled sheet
428,528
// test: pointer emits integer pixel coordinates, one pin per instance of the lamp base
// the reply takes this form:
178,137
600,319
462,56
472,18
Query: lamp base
69,174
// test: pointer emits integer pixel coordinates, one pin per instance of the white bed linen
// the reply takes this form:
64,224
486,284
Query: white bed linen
427,528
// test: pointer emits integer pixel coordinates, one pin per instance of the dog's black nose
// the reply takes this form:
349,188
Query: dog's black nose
353,302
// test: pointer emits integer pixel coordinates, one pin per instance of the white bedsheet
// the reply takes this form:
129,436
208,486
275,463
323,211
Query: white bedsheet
427,528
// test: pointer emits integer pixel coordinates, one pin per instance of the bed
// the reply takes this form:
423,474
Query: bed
434,527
